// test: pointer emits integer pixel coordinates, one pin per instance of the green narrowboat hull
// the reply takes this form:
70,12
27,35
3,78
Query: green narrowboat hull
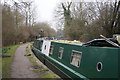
91,56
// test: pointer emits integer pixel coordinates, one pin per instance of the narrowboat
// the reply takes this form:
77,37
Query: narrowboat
87,61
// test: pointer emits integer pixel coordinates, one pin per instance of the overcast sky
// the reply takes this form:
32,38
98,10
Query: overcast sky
45,11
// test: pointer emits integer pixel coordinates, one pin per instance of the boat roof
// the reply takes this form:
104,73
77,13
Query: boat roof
97,42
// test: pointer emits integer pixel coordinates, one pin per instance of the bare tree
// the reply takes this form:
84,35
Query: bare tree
30,17
116,16
91,19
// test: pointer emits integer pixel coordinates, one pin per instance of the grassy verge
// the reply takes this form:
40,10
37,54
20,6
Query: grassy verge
40,69
30,57
8,54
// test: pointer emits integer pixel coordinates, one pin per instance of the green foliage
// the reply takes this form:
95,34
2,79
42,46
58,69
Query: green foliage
4,50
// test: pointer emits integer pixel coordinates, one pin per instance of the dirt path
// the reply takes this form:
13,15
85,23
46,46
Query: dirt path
21,66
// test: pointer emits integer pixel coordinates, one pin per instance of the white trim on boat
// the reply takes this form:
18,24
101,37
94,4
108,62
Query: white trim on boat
46,47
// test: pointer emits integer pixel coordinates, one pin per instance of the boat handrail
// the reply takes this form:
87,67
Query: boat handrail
109,41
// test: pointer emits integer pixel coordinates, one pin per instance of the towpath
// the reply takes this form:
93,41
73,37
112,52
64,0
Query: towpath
21,66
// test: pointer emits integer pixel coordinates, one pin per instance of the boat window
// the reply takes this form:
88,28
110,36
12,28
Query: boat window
45,47
60,53
41,46
76,58
37,44
99,66
51,49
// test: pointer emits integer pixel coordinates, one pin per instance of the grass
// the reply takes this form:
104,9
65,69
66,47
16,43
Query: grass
41,71
30,57
6,61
